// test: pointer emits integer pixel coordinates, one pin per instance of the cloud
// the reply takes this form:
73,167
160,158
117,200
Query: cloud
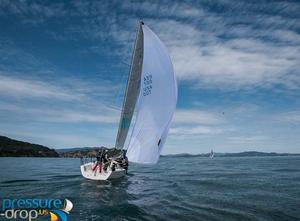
292,117
16,87
248,140
203,57
194,130
13,57
192,123
68,101
208,49
99,117
32,12
66,89
194,116
211,50
88,114
105,115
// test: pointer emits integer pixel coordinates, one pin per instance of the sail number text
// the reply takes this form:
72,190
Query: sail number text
147,85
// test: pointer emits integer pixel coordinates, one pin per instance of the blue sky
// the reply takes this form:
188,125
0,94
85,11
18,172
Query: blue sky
64,66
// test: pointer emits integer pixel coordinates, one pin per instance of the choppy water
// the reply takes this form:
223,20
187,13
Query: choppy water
178,188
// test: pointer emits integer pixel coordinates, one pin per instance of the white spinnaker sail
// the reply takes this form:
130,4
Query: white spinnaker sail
156,102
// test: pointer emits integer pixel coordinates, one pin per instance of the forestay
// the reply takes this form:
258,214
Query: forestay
156,102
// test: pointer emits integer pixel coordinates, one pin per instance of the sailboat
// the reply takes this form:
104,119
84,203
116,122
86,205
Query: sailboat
212,154
151,92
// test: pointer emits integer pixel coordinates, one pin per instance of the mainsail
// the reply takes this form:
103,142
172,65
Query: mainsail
156,101
132,89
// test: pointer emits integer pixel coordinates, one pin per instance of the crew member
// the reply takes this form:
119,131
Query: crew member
125,162
98,162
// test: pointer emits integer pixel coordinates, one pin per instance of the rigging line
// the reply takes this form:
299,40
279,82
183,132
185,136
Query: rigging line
117,78
122,77
124,62
115,107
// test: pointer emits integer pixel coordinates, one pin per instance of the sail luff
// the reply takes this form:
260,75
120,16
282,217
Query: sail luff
132,89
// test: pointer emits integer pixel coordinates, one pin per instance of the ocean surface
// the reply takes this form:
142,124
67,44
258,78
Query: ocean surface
178,188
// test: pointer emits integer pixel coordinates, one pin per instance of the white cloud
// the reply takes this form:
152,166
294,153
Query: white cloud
32,12
194,130
292,117
66,89
87,101
68,116
89,114
243,60
248,139
236,63
194,116
192,123
200,56
33,88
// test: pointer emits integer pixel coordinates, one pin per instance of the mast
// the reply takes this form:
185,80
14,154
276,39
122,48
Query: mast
132,88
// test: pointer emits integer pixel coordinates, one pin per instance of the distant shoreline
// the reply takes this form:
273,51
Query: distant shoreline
236,155
92,151
14,148
239,154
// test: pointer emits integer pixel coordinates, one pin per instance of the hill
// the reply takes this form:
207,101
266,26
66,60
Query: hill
92,152
88,152
79,152
15,148
240,154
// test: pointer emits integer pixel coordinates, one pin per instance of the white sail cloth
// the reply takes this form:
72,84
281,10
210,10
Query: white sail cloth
156,102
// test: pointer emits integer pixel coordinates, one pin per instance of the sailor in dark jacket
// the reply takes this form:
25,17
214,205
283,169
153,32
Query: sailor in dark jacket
125,162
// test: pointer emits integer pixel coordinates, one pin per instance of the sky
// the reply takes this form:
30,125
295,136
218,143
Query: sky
64,67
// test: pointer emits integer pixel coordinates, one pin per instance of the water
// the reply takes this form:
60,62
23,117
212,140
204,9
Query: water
178,188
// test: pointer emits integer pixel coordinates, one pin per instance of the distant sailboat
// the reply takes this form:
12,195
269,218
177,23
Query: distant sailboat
151,91
212,154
